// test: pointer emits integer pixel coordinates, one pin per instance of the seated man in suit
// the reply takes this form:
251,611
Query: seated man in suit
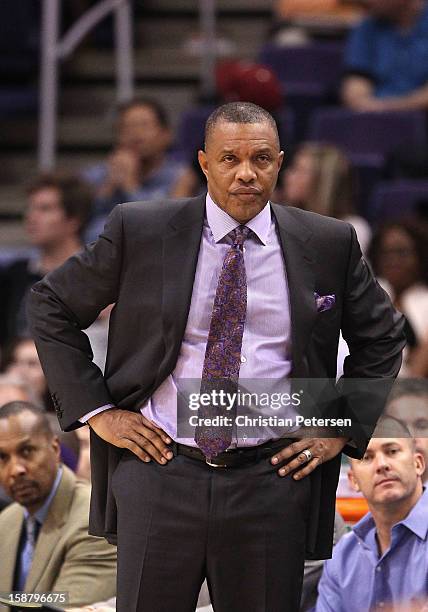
386,551
44,544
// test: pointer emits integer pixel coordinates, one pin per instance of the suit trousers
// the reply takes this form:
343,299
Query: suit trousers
243,528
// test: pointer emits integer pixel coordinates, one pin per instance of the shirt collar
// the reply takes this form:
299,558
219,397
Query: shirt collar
222,224
416,521
41,513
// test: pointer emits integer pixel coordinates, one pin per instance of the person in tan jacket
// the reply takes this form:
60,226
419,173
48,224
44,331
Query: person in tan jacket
44,541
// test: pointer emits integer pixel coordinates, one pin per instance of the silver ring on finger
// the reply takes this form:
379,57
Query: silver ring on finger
308,454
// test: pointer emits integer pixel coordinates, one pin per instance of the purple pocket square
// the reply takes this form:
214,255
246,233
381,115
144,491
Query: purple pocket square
324,302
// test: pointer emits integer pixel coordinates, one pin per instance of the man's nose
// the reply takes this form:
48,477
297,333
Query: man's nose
245,172
382,463
16,467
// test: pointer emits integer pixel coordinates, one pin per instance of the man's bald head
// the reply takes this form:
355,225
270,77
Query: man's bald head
41,422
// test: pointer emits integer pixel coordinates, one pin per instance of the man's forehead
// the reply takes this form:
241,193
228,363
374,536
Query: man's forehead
18,425
380,444
409,403
224,132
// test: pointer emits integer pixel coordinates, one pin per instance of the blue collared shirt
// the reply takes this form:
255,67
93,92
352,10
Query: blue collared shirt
357,579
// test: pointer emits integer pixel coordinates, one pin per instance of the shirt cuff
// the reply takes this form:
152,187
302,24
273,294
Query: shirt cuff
87,416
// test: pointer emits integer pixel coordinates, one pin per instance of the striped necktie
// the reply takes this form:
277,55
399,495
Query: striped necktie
28,550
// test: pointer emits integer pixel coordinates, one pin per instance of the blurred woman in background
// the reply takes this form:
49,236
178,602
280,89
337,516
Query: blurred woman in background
320,179
398,256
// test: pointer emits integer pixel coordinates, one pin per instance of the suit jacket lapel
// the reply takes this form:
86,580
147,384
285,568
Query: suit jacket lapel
10,542
180,256
50,530
299,260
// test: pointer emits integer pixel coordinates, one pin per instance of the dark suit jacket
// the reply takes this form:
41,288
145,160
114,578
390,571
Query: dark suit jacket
145,263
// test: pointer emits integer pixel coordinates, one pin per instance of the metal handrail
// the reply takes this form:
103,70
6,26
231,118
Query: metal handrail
54,49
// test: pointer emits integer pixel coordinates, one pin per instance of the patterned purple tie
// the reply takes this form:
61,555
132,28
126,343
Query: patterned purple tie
223,351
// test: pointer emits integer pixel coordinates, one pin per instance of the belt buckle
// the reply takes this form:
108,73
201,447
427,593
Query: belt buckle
215,465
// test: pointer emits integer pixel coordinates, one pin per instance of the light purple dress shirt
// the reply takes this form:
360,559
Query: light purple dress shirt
266,343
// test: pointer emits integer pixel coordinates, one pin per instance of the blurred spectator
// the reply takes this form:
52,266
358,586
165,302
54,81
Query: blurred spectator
22,361
58,209
387,58
398,255
45,545
14,389
335,10
243,80
418,365
384,559
300,19
321,179
139,167
408,403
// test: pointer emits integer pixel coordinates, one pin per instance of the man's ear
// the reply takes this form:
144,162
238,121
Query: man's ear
280,159
56,446
203,162
419,463
352,481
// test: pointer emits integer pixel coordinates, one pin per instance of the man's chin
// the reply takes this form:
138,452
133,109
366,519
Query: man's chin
27,496
246,209
390,495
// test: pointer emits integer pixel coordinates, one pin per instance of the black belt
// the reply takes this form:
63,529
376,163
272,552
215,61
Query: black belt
234,457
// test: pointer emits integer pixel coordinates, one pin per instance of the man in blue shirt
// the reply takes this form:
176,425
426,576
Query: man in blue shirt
386,58
384,559
139,166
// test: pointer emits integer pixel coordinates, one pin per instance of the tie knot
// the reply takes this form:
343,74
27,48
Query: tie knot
239,235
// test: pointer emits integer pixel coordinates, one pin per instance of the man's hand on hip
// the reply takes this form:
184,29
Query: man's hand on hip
133,431
311,452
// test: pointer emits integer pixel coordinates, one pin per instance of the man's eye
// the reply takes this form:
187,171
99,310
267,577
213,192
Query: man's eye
26,451
421,424
264,158
228,158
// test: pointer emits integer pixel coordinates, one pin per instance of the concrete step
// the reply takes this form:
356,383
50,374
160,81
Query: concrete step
243,36
100,101
160,63
92,127
19,168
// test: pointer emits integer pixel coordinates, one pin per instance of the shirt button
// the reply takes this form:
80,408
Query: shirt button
244,249
378,569
243,359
